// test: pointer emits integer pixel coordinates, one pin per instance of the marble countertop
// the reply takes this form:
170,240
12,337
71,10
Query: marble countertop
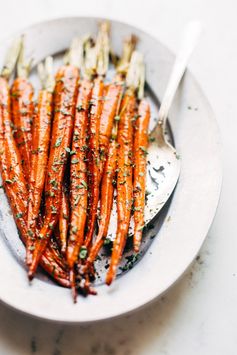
199,314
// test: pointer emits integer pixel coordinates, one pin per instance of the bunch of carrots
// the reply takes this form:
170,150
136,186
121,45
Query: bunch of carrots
63,156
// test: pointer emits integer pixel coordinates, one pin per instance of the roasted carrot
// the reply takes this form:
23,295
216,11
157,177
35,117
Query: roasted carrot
63,221
124,180
134,81
78,168
64,108
93,155
106,200
139,182
78,174
22,93
109,109
96,104
14,181
40,148
108,149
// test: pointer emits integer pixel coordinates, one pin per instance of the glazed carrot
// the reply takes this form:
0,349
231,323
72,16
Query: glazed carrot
108,149
22,110
14,182
63,221
109,109
124,180
106,200
134,81
64,108
40,148
139,183
112,99
78,174
96,104
93,156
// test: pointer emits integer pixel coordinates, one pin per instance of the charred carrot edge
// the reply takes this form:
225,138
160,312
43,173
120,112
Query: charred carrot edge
139,182
63,221
14,182
22,93
106,200
40,148
124,181
78,174
65,101
93,156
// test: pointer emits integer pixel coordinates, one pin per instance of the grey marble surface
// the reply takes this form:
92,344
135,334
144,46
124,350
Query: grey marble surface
199,314
137,333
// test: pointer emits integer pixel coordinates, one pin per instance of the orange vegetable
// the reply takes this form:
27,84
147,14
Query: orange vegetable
22,93
106,200
124,180
78,174
64,216
40,148
139,183
65,101
93,156
109,109
15,185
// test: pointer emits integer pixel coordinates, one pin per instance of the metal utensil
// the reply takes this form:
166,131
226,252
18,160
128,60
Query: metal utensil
162,177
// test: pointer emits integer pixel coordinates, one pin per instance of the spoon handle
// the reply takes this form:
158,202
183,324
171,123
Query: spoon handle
190,39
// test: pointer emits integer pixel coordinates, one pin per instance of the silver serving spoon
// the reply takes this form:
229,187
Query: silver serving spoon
162,179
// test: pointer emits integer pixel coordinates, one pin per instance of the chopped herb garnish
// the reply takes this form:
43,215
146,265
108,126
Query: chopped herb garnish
74,229
8,181
83,252
84,184
58,142
143,149
54,210
77,200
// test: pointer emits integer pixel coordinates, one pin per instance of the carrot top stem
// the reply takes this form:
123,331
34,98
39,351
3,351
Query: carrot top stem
74,56
11,58
128,48
45,72
102,49
23,66
136,74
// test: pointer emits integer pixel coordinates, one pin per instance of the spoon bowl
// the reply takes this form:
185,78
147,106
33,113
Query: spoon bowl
166,174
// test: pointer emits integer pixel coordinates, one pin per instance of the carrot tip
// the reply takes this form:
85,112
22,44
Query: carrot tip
136,248
30,275
108,280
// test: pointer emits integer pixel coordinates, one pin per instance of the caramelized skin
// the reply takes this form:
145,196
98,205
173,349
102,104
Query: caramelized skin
124,181
63,221
78,174
22,111
106,201
15,185
93,156
110,106
139,182
65,101
40,148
